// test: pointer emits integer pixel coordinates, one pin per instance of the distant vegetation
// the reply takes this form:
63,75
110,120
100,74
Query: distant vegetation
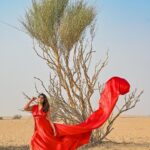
16,117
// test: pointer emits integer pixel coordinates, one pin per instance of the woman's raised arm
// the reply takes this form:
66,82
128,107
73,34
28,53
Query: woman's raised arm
27,107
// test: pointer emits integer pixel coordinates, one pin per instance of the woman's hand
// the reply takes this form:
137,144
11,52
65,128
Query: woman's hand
27,107
33,99
53,127
55,133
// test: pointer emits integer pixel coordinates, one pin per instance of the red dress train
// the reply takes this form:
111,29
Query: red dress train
70,137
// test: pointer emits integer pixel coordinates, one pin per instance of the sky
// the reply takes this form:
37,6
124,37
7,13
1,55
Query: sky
123,28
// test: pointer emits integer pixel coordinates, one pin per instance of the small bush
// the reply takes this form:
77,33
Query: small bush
17,117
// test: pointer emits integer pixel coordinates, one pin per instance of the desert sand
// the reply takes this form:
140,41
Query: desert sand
129,133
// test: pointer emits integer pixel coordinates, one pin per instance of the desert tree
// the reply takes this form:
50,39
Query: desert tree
63,32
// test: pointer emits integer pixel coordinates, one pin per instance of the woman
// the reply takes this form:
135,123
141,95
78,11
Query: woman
42,110
55,136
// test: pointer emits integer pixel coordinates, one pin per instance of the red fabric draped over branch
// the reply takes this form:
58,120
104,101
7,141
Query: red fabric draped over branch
79,134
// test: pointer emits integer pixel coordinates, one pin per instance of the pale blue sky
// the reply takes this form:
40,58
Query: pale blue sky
123,27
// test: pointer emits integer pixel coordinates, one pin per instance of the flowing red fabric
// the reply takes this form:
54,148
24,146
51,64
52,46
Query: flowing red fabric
70,137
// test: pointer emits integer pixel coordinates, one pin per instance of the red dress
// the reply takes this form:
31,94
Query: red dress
70,137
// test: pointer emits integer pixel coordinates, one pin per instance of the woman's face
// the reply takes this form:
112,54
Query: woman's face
40,98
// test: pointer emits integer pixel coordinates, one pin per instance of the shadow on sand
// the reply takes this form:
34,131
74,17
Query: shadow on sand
23,147
116,145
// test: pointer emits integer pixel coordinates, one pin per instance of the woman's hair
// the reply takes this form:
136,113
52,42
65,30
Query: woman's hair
45,102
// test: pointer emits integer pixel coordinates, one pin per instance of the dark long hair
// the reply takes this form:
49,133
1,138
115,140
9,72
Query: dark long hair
45,102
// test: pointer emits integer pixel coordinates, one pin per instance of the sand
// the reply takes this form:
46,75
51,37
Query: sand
129,133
